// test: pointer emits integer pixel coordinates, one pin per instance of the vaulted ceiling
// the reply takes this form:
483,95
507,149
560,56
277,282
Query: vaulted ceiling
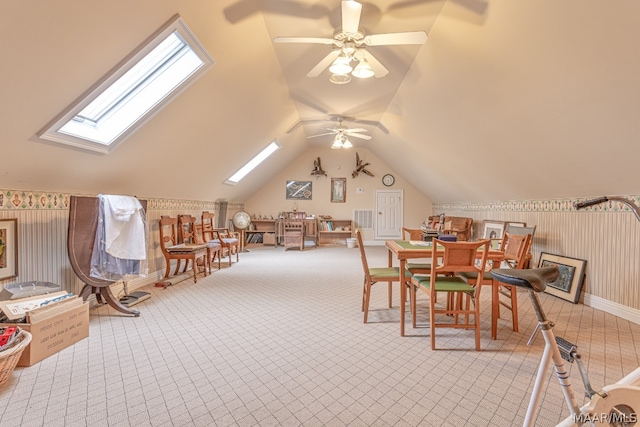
507,100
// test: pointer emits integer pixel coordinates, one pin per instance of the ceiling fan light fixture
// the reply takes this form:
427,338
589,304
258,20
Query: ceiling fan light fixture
347,143
340,79
337,143
363,70
341,65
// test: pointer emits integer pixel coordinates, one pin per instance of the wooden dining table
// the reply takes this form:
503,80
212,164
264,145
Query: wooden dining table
403,250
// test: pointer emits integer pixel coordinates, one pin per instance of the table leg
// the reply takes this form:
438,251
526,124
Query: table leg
403,295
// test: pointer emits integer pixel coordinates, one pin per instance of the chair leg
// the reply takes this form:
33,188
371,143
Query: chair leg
390,292
367,294
514,308
476,320
168,268
414,308
432,319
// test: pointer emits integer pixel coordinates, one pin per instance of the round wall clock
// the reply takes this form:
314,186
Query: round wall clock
388,180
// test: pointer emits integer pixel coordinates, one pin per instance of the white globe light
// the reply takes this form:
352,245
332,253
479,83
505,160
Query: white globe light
340,79
363,70
341,65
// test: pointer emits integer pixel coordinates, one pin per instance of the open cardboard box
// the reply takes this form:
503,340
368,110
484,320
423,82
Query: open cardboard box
53,327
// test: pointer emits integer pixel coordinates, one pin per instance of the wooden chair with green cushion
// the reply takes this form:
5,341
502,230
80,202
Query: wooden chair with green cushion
458,257
415,267
515,248
375,275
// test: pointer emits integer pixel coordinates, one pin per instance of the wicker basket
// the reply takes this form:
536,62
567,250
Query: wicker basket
9,357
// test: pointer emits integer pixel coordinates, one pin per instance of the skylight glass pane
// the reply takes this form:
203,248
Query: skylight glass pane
126,84
156,73
135,93
253,163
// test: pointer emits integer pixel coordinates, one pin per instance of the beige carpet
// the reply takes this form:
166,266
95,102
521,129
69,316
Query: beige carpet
278,339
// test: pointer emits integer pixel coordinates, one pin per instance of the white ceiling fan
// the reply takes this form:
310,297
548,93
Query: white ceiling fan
350,45
341,135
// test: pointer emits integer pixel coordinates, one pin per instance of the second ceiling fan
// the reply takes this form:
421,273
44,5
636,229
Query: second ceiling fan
341,135
350,45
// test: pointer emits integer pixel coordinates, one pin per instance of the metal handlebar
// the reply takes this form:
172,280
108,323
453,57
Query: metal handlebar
634,207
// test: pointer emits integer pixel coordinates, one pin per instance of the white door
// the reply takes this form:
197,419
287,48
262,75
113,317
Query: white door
388,214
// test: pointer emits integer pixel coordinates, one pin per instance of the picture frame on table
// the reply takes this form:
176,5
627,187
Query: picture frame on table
493,230
8,248
569,284
299,190
516,224
338,190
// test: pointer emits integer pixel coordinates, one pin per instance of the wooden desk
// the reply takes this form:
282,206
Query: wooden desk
405,249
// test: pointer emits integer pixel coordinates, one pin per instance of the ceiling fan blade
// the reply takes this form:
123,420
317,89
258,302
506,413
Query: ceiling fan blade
321,134
376,66
355,130
351,11
326,61
357,135
411,37
315,40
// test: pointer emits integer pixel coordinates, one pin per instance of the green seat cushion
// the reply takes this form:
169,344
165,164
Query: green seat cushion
386,273
418,266
468,275
445,284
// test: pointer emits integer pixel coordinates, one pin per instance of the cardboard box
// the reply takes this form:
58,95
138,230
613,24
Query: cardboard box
54,328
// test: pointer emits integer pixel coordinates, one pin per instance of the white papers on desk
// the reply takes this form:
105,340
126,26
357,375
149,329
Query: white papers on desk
419,243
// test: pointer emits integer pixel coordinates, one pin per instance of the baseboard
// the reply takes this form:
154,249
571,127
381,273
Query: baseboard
613,308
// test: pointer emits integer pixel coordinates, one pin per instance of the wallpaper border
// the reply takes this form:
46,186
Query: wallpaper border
554,205
41,200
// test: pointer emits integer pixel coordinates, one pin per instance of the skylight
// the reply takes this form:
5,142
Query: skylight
156,73
253,163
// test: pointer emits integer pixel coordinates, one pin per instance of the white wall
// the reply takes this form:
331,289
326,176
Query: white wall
271,200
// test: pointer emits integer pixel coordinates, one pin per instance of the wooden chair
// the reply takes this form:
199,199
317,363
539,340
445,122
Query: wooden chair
293,233
516,255
411,233
415,267
515,250
173,249
190,232
521,231
458,257
375,275
293,230
229,242
458,226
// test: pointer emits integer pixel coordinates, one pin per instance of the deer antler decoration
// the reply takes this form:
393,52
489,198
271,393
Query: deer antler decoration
317,168
360,167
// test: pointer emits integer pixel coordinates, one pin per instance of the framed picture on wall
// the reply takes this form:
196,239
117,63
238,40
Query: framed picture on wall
8,248
338,190
569,284
299,190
